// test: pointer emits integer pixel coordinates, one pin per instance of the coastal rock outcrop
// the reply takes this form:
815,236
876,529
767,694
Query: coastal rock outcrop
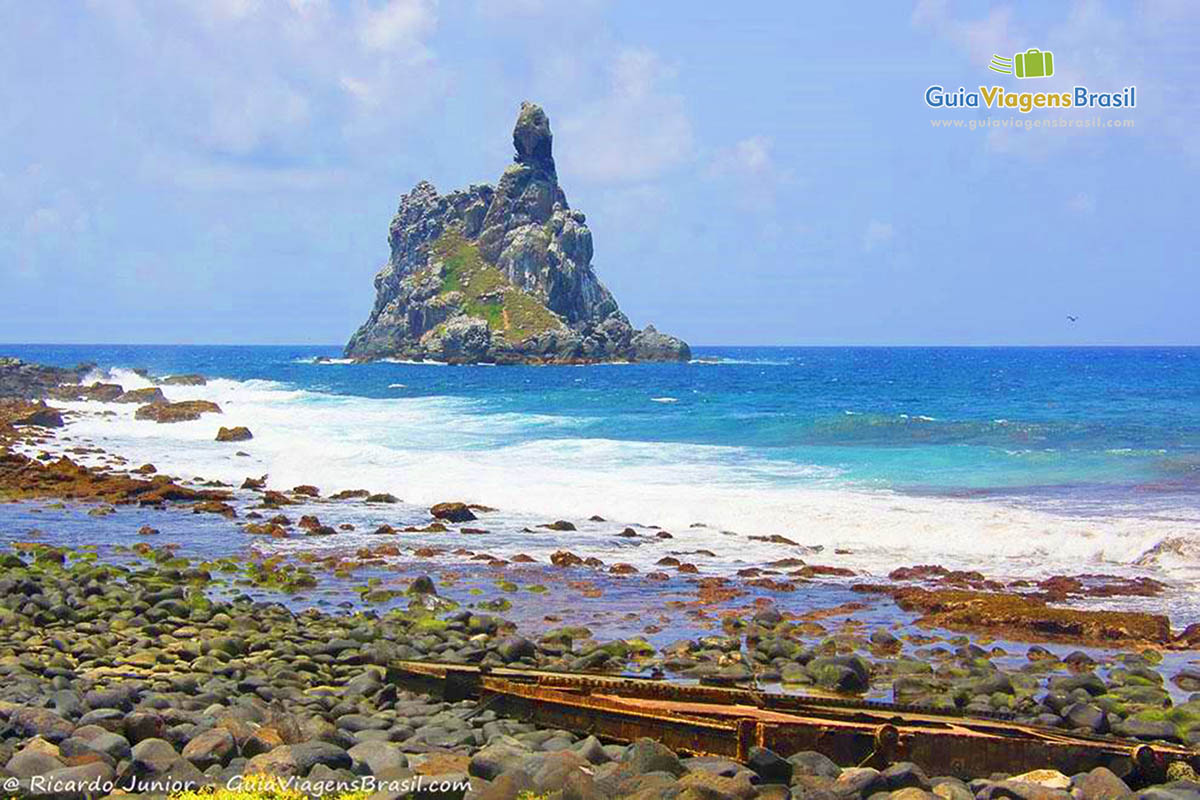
500,274
142,396
185,411
33,381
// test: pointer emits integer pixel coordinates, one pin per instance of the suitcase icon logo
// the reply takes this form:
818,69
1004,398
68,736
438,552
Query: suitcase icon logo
1033,63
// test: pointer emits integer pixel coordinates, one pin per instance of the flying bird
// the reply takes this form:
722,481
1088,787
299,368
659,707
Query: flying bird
1073,319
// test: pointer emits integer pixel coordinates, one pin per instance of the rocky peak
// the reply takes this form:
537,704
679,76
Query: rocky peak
533,140
500,274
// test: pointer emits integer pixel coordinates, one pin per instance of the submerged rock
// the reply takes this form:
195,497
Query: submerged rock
99,392
186,411
1027,617
190,379
142,396
452,512
501,275
41,417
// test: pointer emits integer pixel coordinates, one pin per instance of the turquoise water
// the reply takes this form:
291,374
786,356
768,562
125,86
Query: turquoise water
1027,458
921,419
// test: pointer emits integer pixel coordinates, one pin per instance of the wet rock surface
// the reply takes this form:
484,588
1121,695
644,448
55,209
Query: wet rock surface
159,667
184,411
137,668
23,380
1009,613
238,433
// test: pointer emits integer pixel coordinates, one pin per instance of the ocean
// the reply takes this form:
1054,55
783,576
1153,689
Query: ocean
1018,462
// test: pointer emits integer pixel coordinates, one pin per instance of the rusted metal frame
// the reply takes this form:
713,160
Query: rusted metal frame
954,750
618,721
649,688
727,722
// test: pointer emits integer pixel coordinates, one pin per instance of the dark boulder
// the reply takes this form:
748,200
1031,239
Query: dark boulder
452,512
41,417
239,433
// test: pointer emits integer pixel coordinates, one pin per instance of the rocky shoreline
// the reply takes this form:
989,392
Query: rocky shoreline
132,676
157,667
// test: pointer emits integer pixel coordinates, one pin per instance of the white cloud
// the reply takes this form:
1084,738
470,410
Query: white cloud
222,11
507,9
43,221
59,215
501,8
637,130
45,224
750,166
284,79
877,235
361,90
398,25
979,38
750,156
1082,203
189,172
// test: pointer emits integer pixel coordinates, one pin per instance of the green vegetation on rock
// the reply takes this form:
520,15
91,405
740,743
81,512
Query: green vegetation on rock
487,292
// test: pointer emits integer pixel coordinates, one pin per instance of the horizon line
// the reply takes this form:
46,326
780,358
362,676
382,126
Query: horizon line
700,346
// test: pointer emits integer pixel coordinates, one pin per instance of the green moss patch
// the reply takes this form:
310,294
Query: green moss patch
488,294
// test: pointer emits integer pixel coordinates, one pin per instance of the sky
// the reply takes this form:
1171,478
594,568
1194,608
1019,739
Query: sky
224,171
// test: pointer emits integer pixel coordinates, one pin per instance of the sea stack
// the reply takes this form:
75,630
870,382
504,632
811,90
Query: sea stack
500,274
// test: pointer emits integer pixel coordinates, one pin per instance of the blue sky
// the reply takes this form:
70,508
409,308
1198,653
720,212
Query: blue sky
767,173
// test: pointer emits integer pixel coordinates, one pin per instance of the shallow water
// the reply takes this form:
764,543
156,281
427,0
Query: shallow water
1017,462
611,607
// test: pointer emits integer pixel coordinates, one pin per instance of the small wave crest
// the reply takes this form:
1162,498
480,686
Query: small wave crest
430,449
322,360
722,361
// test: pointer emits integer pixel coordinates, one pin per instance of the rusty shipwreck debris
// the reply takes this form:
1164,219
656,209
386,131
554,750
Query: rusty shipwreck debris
727,722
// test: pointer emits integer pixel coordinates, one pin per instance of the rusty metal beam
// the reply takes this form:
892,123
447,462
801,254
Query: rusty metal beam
725,722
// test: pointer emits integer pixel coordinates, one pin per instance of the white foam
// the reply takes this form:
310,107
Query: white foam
427,450
411,362
720,361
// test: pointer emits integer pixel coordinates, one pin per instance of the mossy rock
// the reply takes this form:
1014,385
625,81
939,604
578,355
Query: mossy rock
1112,704
431,624
497,605
567,633
1137,676
911,666
1025,684
483,291
1142,695
377,596
626,649
794,674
